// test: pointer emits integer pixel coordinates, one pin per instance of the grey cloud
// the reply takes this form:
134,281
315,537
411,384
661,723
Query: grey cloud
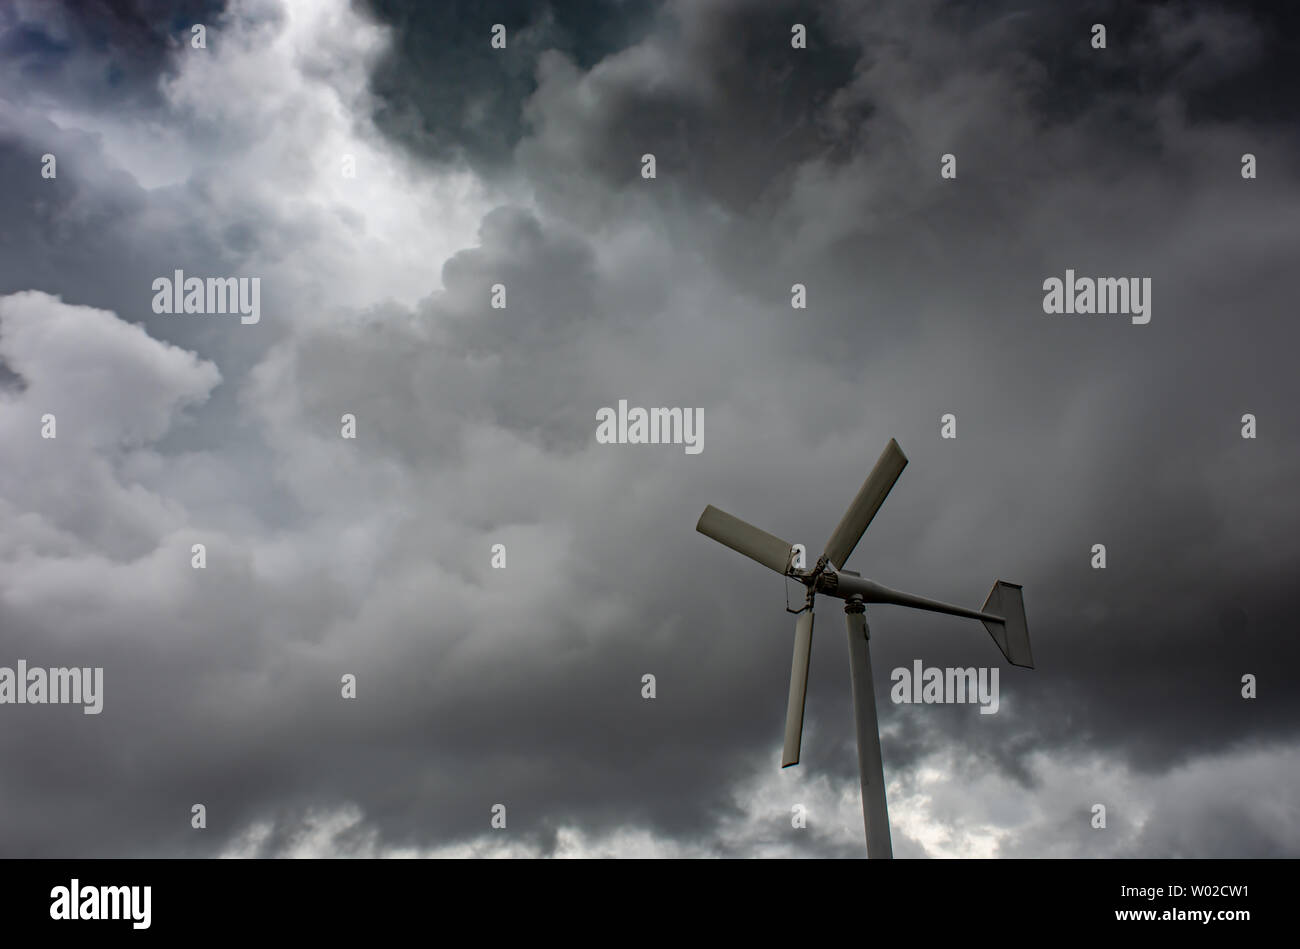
475,426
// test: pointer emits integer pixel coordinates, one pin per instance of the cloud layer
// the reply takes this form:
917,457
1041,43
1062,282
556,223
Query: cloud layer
522,686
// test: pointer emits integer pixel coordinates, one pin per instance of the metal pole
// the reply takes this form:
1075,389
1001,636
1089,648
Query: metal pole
875,812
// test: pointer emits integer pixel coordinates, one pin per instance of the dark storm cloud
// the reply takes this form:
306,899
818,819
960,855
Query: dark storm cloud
445,92
1144,667
1227,62
522,686
95,236
107,51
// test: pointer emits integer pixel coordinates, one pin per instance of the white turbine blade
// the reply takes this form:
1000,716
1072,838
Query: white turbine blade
771,551
871,495
798,689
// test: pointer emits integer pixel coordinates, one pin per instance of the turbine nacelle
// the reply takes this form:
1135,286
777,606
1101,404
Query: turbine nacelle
823,578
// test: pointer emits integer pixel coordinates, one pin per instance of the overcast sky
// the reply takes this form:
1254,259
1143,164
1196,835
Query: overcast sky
476,426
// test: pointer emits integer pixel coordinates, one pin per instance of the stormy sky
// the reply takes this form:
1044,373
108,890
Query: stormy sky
476,426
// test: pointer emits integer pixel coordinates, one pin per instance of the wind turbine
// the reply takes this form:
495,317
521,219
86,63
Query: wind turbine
1003,615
